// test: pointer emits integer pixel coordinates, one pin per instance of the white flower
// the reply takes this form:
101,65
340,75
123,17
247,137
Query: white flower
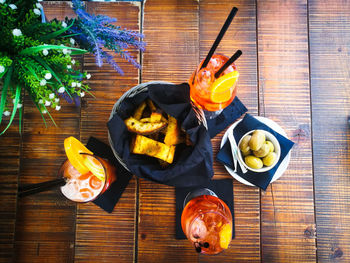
48,76
37,11
64,24
41,101
45,52
13,101
47,103
40,0
65,51
73,61
19,105
17,32
39,5
88,76
72,41
43,82
61,90
12,6
58,107
44,111
2,1
82,94
52,95
78,85
74,84
57,100
69,51
7,113
2,68
69,66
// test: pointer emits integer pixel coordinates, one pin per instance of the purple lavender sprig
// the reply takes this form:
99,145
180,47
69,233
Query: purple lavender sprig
95,32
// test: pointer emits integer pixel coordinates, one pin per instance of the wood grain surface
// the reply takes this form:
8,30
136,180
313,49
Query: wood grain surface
330,90
287,207
240,35
46,221
294,70
171,29
103,237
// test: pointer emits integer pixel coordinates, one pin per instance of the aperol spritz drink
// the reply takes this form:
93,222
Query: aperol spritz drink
210,93
87,175
207,222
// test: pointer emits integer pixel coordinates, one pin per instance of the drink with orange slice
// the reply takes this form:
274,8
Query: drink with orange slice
87,175
207,222
210,93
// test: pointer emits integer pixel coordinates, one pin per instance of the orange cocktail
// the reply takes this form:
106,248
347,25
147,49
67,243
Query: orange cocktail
213,93
87,176
207,222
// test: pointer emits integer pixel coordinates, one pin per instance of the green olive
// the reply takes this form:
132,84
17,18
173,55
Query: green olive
269,159
248,152
244,145
272,148
253,162
257,140
263,151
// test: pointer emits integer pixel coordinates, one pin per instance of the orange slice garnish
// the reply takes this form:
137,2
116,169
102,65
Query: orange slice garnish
95,167
73,148
221,89
225,236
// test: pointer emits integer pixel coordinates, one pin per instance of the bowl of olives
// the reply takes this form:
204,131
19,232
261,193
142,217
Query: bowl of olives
259,150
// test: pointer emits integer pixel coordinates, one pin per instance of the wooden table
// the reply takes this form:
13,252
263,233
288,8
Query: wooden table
294,70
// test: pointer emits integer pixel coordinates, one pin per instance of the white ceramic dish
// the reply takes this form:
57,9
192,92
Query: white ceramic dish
273,125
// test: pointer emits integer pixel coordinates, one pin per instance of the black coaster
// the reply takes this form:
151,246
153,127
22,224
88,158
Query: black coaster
222,188
110,197
229,115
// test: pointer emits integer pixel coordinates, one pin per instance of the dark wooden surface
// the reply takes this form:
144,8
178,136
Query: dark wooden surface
295,70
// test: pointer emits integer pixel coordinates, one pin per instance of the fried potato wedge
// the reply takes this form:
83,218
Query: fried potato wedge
143,145
143,128
156,116
138,112
172,135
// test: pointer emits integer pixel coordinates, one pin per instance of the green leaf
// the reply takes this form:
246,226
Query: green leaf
33,50
18,94
3,73
51,118
4,91
31,70
20,120
71,35
45,65
56,33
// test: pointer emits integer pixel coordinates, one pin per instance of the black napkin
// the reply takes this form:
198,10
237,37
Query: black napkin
222,188
249,123
231,113
110,197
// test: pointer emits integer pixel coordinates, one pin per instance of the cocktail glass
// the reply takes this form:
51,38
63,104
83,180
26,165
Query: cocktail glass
210,93
89,185
207,222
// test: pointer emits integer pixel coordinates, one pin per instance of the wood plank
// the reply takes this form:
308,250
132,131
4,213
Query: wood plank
9,169
171,29
46,217
240,35
287,208
329,23
103,237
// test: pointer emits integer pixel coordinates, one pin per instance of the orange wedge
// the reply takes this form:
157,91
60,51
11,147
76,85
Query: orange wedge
225,236
95,167
73,148
221,89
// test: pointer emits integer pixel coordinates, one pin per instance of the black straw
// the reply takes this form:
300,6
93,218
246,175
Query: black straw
232,59
220,36
40,187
